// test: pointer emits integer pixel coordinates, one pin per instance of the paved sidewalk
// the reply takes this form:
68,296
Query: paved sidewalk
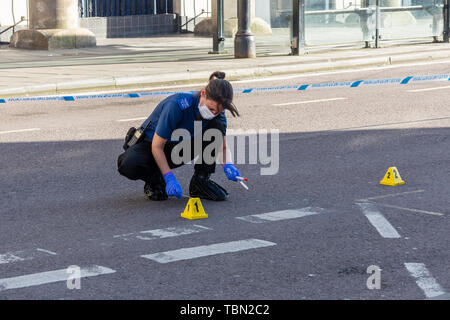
179,59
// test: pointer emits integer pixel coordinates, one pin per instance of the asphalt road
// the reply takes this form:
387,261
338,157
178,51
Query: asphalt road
64,204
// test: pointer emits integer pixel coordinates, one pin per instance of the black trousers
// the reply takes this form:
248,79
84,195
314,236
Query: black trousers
138,163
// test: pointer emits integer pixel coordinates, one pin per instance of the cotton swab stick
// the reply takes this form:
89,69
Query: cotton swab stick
243,184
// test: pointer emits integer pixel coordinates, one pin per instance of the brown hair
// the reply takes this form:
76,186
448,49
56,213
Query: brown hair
221,91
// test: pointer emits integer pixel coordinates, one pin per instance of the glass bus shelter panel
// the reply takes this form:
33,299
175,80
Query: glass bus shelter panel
350,21
230,20
337,22
409,19
272,26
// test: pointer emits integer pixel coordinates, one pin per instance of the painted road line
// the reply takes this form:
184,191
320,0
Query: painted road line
11,257
318,74
120,92
389,195
428,89
281,215
162,233
273,78
17,256
47,251
208,250
410,209
132,119
20,130
41,278
424,280
308,101
384,228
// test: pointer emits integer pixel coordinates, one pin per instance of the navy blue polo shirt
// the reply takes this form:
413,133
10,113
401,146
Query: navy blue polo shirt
178,111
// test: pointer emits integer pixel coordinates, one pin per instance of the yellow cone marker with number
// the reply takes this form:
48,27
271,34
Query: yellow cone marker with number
194,210
392,178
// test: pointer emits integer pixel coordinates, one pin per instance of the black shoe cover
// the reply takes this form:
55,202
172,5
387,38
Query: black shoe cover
155,192
202,187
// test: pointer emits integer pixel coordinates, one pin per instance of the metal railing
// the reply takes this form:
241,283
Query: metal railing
365,15
108,8
370,17
22,19
193,19
373,12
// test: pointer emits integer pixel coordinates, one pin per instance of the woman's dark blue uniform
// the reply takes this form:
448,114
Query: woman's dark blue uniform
179,111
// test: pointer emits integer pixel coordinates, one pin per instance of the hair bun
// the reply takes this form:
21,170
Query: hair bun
217,75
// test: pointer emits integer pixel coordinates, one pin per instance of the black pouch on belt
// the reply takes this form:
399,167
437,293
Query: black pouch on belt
134,136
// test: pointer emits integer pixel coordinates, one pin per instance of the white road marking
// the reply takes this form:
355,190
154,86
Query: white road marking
281,215
194,161
46,251
132,119
20,130
163,233
272,78
428,89
315,74
389,195
10,257
384,228
424,280
410,209
304,102
208,250
41,278
23,255
118,91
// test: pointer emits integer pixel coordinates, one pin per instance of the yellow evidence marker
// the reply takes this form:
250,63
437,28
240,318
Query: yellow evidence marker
194,210
392,178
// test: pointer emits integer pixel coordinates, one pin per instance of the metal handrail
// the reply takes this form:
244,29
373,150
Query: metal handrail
437,11
203,11
369,9
22,19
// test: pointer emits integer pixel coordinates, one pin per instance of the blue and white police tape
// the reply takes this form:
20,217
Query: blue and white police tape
302,87
352,84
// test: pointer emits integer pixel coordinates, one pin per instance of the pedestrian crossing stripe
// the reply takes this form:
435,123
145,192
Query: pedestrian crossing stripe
208,250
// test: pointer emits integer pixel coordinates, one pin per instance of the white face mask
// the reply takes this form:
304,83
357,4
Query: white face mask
205,112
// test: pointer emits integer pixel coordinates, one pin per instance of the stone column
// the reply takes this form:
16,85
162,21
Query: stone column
54,24
259,26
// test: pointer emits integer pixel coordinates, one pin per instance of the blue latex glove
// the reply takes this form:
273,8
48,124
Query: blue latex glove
173,188
231,171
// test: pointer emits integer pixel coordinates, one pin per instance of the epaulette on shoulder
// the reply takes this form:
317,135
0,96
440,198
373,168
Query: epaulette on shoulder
184,101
